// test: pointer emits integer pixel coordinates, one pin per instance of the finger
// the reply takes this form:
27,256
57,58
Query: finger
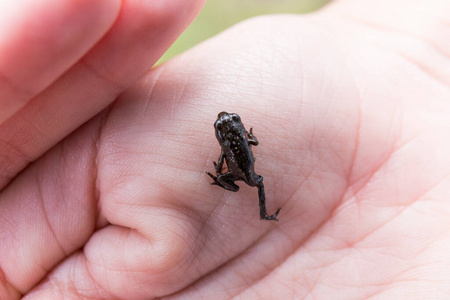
143,31
42,39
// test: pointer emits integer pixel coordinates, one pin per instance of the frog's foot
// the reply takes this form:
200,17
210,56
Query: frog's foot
272,217
213,178
215,182
224,181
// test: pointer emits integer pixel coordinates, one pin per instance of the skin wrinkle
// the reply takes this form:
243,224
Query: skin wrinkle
7,285
282,261
91,167
96,194
87,267
422,67
3,278
126,270
390,157
415,36
18,89
330,263
362,238
388,29
393,218
358,125
157,72
374,292
47,221
223,265
205,223
290,284
5,161
45,217
386,253
290,197
375,170
354,154
414,62
25,158
178,96
186,215
117,85
380,291
310,291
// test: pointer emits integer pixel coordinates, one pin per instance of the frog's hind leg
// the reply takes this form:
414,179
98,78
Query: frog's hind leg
262,202
225,181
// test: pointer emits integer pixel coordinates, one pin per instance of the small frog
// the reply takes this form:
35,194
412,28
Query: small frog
236,142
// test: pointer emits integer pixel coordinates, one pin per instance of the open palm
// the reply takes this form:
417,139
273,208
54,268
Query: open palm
350,107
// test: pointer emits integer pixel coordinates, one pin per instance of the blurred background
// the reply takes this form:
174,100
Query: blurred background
218,15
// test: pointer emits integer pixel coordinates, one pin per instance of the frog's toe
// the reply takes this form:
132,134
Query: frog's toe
231,186
272,217
212,176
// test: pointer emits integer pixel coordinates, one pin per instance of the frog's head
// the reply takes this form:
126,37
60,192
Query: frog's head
226,123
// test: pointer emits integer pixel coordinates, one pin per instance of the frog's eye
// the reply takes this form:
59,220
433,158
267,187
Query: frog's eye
236,118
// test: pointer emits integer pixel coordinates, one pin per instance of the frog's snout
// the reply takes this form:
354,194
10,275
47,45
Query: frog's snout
221,114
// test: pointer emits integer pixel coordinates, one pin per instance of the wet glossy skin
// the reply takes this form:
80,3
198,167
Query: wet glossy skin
236,143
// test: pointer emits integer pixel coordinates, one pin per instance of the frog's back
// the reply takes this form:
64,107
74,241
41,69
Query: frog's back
232,137
240,159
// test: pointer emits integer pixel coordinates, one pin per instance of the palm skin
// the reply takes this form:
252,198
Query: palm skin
350,107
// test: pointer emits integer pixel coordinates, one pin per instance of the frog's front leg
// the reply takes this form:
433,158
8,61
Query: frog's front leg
225,181
252,140
219,165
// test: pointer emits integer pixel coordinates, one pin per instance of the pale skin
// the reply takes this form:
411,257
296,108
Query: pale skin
350,106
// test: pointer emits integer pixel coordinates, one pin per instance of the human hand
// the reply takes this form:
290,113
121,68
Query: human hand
350,108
